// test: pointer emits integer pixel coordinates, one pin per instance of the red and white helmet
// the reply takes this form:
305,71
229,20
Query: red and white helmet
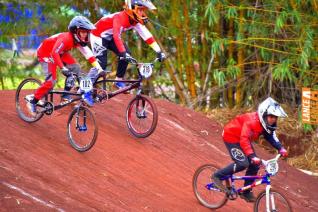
270,107
131,7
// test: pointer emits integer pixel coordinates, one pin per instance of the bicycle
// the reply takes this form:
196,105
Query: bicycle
83,133
268,200
141,113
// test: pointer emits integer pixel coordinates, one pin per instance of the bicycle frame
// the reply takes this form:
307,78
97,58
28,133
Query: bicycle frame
62,104
132,84
263,179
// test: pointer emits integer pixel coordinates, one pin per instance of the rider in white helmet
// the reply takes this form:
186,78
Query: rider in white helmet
238,135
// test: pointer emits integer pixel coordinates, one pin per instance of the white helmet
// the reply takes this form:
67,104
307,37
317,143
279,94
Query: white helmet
270,107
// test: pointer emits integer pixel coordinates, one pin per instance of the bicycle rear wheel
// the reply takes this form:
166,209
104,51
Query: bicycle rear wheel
277,202
141,116
27,87
82,129
204,189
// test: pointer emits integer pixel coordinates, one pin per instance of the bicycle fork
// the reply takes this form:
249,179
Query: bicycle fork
270,201
81,128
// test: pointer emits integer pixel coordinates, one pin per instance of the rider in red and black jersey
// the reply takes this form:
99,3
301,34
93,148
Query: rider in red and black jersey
107,35
238,135
54,52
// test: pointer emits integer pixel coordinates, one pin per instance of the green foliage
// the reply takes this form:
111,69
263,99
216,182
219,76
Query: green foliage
282,71
212,13
218,46
231,13
232,71
219,77
308,128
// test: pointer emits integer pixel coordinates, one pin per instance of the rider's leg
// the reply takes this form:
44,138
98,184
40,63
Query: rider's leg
122,64
70,80
74,68
251,171
49,70
240,163
99,48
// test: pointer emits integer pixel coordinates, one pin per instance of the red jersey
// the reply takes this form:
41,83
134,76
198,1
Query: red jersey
243,129
52,48
111,27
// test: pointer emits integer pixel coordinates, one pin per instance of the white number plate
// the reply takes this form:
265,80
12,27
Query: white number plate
86,84
145,70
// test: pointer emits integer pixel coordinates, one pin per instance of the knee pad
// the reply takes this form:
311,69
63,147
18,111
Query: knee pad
239,167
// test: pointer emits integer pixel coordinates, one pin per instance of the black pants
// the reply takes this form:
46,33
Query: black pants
102,57
241,162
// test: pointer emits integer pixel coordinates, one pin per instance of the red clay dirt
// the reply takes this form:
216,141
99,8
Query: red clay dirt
40,171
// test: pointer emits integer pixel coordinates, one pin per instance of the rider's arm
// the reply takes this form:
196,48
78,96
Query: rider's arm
117,28
147,37
245,139
88,54
273,140
58,49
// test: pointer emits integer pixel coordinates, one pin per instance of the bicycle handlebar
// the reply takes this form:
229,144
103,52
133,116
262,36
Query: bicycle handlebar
264,162
135,62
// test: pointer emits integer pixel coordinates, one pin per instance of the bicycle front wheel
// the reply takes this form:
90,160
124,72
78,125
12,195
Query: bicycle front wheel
82,129
27,87
141,116
277,202
204,189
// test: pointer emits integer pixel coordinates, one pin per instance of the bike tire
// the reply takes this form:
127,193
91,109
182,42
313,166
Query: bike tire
129,119
263,195
18,105
223,197
75,142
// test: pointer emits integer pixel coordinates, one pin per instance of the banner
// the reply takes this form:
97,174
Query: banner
309,103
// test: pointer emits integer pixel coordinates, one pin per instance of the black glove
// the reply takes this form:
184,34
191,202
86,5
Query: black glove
66,72
161,56
126,56
70,81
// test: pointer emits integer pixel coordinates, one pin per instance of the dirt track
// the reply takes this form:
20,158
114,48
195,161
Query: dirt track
40,171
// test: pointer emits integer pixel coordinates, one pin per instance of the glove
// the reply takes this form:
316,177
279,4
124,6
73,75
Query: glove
254,159
66,72
161,56
126,56
283,152
70,81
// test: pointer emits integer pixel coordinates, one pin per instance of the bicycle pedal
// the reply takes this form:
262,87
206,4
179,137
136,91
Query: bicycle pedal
231,195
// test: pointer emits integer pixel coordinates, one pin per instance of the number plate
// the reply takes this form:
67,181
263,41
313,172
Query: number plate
86,84
272,167
145,70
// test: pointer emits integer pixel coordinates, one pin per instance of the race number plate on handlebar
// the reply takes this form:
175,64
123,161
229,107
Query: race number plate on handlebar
145,69
86,84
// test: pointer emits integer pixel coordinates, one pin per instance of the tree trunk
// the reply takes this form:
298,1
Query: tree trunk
230,96
240,60
189,60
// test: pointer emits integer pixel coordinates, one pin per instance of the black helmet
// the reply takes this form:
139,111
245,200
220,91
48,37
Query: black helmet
77,24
